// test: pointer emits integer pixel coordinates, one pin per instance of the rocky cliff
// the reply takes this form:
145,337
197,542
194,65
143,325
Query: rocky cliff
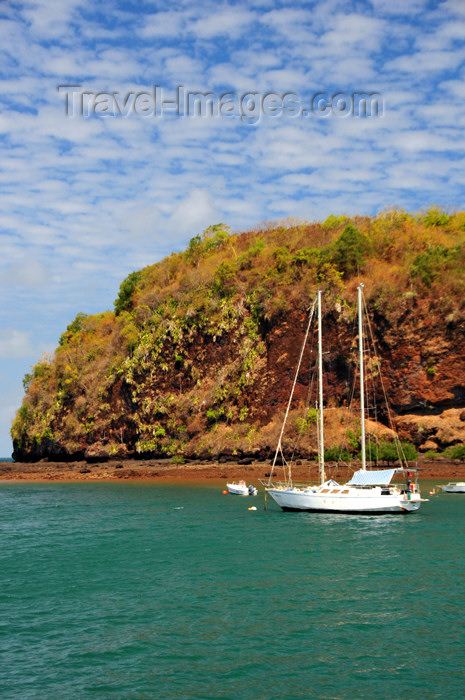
198,357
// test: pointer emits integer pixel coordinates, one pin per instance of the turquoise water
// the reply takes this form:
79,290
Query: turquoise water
113,590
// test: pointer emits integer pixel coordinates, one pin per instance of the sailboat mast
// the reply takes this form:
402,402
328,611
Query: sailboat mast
362,378
321,445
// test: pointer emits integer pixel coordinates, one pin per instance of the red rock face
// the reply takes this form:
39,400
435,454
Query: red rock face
420,353
433,432
422,362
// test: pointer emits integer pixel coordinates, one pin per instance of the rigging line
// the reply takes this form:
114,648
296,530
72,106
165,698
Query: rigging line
351,410
368,374
285,466
279,448
374,367
400,451
318,437
351,381
304,422
352,372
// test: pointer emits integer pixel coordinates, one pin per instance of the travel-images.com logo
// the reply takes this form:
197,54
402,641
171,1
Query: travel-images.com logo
249,107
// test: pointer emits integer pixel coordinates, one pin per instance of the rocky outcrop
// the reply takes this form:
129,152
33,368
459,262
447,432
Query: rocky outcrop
433,432
199,360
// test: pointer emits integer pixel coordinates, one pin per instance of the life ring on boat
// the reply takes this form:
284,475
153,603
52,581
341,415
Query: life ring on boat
413,487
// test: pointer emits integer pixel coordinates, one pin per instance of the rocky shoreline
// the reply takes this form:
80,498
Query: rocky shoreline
165,470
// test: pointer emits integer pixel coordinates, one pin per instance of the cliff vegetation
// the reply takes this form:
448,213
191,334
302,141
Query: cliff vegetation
197,358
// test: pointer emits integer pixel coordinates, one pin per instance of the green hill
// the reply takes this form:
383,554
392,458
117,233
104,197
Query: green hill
196,360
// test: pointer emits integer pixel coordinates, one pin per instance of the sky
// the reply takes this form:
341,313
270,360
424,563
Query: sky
109,161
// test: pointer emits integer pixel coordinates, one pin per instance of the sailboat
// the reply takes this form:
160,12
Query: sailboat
368,491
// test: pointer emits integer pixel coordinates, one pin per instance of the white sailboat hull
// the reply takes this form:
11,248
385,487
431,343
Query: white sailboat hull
458,487
364,501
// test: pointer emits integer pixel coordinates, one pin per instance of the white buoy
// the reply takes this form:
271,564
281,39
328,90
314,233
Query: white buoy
252,508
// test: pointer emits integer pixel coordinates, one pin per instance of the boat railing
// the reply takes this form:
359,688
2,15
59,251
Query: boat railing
277,484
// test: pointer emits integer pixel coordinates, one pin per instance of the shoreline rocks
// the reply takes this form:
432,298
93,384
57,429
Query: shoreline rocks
165,470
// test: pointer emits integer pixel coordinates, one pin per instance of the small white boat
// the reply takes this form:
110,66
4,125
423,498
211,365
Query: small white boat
241,489
453,487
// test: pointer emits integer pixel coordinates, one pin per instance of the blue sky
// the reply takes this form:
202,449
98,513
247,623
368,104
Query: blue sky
87,199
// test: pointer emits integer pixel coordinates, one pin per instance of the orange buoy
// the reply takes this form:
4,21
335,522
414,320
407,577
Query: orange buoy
225,492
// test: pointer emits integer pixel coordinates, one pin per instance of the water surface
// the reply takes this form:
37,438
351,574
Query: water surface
137,590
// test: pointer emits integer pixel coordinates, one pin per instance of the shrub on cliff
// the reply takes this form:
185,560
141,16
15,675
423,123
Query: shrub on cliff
456,452
126,291
73,328
435,217
428,265
389,452
349,251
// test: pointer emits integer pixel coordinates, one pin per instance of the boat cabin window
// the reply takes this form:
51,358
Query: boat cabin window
324,491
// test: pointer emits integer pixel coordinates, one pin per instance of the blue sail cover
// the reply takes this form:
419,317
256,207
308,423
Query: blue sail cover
379,477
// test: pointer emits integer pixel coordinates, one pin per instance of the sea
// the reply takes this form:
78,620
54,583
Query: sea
143,590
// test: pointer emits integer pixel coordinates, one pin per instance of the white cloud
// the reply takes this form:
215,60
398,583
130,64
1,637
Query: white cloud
11,401
359,32
193,214
181,69
49,18
422,140
231,22
427,62
166,25
454,87
28,273
399,7
452,30
141,221
15,343
293,24
455,6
